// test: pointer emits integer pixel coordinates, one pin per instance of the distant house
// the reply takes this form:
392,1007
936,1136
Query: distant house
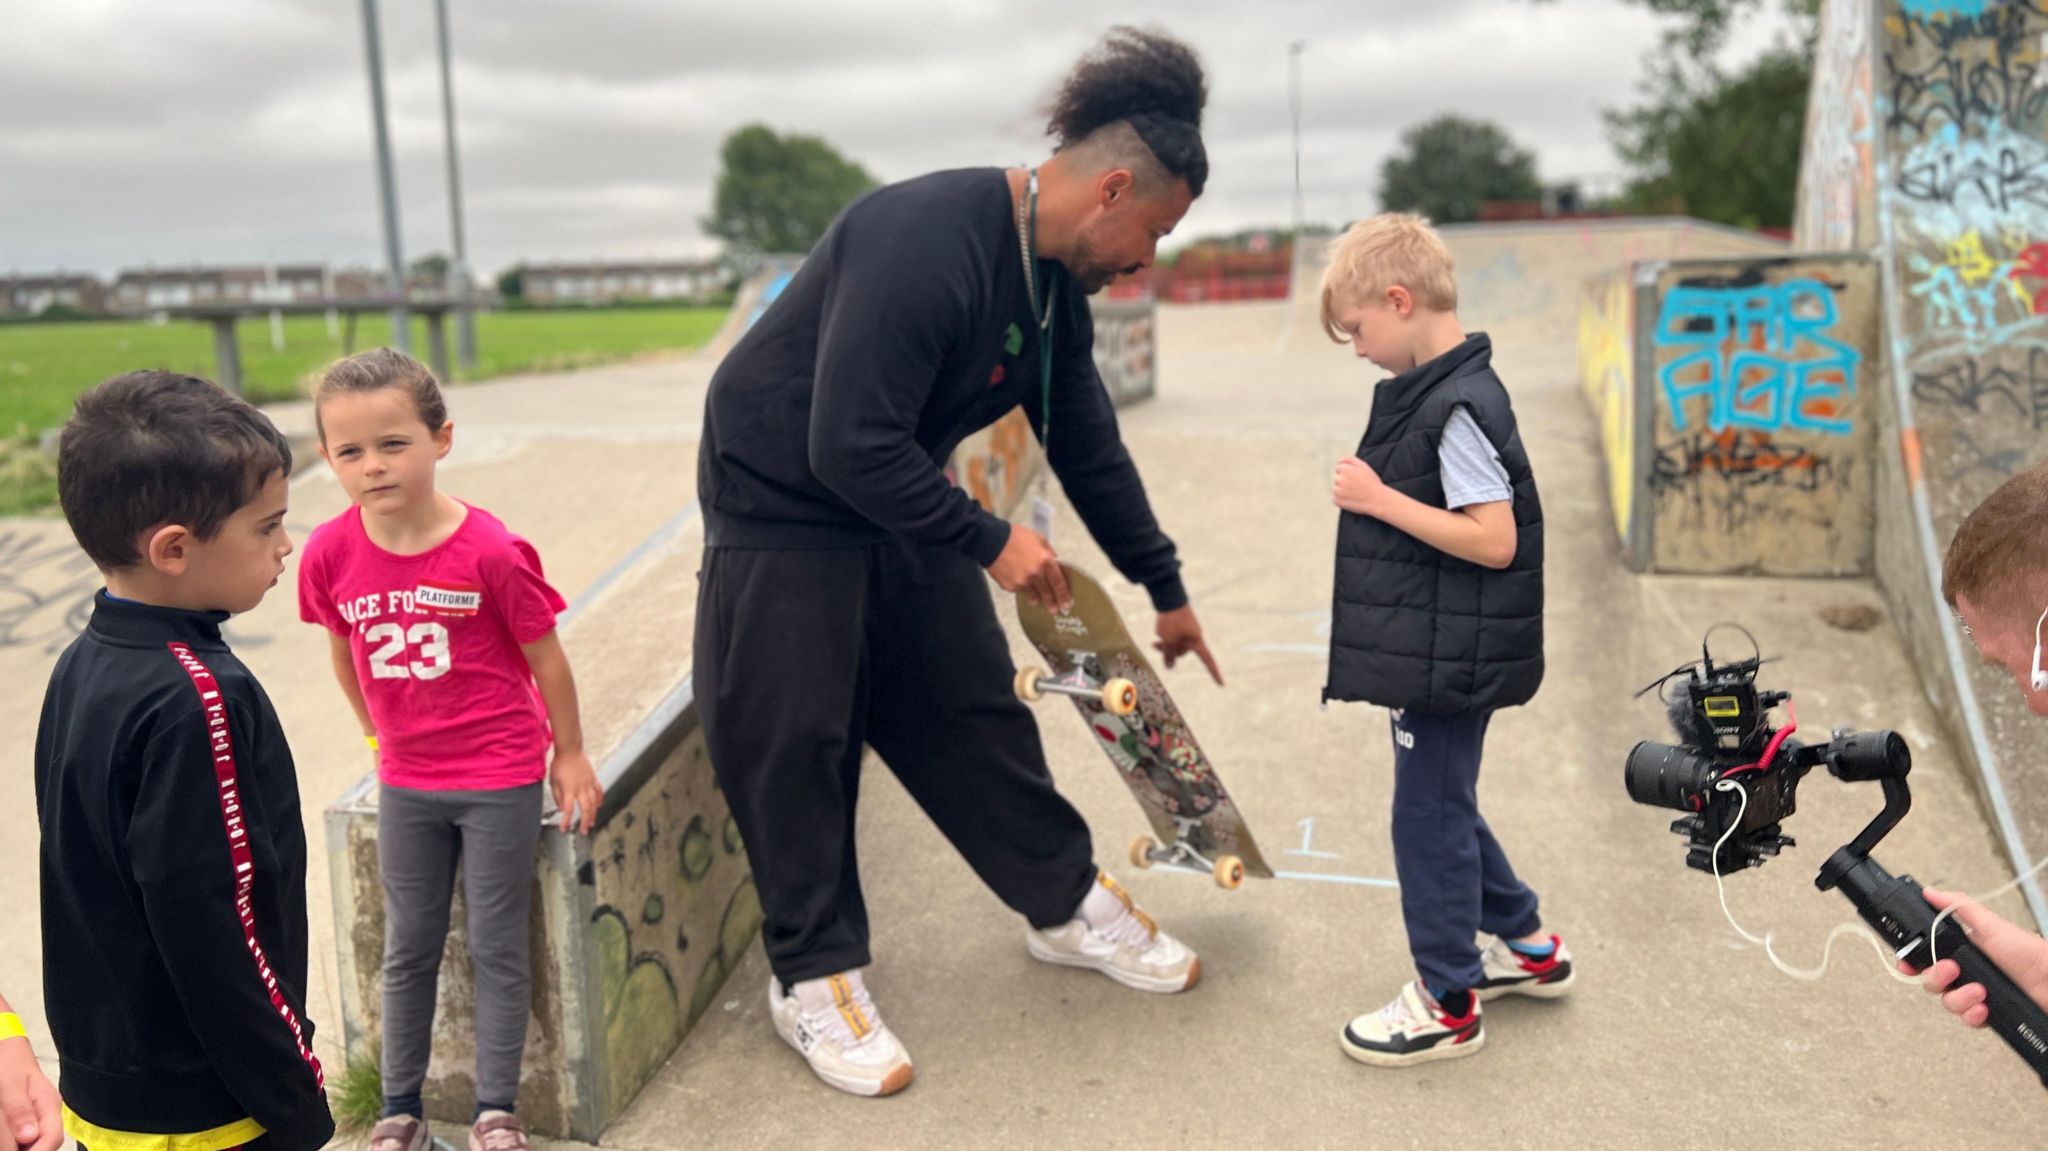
149,289
32,295
607,283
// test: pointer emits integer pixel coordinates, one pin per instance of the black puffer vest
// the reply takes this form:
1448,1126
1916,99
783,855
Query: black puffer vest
1416,628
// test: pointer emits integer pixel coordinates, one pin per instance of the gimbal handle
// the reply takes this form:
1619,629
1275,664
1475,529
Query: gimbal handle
1895,908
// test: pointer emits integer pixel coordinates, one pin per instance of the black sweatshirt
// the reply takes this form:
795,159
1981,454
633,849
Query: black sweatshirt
173,886
908,328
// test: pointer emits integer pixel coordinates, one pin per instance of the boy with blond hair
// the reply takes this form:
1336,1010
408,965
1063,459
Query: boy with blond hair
1438,616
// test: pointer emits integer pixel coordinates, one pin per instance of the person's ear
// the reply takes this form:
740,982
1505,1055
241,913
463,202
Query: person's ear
169,549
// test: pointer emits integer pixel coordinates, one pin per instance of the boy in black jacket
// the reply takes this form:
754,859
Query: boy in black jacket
173,857
1438,616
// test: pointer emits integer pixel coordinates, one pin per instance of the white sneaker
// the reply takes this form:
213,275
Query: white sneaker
1413,1029
1509,972
1111,935
834,1025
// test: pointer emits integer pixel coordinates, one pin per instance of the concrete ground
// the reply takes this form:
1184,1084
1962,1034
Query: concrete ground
1680,1034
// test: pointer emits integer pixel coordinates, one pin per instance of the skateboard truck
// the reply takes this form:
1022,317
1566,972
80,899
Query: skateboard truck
1181,854
1118,696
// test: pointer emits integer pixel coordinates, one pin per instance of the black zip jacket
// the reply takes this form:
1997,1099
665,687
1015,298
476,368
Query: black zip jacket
173,886
909,327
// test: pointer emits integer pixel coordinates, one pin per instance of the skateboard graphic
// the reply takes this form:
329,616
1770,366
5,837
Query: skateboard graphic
1095,663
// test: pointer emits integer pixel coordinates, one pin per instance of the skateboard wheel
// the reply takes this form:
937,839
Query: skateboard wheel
1120,696
1141,852
1026,683
1230,873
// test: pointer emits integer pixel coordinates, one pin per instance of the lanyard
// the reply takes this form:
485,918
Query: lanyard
1042,315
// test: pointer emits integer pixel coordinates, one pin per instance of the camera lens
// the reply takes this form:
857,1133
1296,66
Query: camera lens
1664,776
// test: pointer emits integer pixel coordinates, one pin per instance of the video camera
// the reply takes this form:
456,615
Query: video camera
1736,778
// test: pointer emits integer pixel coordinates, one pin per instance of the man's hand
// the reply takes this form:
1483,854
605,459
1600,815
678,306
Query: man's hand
2020,953
1029,565
574,784
1180,633
28,1104
1358,489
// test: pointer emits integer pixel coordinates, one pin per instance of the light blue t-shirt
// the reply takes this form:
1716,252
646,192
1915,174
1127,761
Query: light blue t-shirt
1471,470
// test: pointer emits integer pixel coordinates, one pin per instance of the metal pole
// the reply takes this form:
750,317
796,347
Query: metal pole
401,323
1294,51
465,316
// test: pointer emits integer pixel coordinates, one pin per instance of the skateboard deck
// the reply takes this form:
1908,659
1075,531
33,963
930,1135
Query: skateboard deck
1093,661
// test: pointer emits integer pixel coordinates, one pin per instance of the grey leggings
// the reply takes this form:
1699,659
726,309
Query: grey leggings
420,837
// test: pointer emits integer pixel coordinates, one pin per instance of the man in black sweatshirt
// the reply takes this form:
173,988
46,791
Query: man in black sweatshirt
842,600
173,857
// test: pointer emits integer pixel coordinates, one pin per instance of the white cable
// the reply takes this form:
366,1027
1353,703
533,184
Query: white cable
1885,957
1952,908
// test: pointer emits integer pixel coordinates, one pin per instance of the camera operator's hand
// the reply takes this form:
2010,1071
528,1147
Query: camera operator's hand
2020,953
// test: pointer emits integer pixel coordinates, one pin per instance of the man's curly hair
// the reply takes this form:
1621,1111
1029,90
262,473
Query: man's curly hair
1148,82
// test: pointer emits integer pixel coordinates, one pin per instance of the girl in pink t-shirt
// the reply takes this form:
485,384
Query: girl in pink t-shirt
443,639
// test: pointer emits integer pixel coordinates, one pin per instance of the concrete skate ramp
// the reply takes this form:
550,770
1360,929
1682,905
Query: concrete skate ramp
757,291
1529,277
1943,179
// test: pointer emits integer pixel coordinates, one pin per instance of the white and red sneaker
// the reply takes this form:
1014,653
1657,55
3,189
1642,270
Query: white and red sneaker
1413,1029
1509,972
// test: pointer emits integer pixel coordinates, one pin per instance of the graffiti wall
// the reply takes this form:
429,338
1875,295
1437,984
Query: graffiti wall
1962,177
1123,349
1836,210
1759,445
1607,373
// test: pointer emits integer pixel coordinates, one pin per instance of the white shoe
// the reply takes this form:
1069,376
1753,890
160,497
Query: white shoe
1111,935
1509,972
834,1025
1413,1029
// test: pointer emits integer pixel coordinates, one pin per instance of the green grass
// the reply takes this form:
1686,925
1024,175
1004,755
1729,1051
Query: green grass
356,1096
44,366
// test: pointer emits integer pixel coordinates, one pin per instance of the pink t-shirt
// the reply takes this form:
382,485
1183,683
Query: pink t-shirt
436,638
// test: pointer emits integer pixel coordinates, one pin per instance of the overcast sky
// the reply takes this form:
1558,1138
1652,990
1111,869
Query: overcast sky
239,130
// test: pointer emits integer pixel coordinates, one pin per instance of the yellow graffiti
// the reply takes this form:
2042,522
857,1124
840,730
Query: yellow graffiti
1969,259
1606,357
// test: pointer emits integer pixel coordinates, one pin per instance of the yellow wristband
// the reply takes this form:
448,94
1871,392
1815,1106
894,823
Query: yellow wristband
10,1026
372,741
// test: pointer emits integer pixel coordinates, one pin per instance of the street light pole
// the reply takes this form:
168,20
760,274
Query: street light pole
465,316
1294,52
401,321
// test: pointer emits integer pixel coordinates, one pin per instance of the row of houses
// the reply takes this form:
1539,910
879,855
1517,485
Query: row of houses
139,291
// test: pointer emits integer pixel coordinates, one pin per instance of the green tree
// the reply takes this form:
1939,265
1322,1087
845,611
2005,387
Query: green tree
430,271
1710,143
1450,165
778,194
512,282
1729,153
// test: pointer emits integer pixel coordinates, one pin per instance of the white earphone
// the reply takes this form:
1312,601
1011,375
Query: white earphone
2040,676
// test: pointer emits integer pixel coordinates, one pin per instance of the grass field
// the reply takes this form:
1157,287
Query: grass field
44,366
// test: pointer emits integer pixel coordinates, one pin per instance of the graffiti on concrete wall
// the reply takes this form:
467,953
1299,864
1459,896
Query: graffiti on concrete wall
1734,479
675,910
1967,119
1837,165
1607,372
1754,355
1123,349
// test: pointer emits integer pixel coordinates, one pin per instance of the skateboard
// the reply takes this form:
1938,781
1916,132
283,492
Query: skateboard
1095,663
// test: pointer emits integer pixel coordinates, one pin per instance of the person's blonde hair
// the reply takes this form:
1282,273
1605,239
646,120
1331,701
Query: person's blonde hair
1393,249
